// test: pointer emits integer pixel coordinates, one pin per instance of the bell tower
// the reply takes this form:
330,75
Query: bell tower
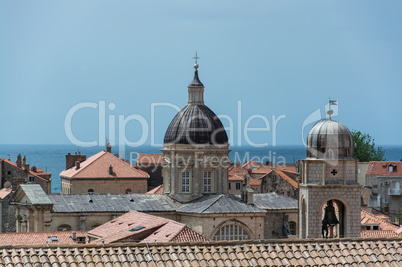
329,196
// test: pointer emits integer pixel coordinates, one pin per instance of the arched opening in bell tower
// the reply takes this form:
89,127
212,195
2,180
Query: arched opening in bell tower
333,219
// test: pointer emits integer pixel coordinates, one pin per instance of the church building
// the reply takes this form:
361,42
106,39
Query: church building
329,194
195,150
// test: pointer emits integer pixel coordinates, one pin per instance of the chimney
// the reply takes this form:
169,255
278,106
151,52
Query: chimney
71,159
77,164
74,235
111,170
247,192
24,161
108,148
19,161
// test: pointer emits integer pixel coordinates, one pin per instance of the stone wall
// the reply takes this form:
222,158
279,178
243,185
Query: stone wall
15,175
275,183
316,197
7,216
103,186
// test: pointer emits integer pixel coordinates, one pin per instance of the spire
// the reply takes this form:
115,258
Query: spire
196,88
196,81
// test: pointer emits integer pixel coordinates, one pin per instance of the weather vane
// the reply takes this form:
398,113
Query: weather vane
330,111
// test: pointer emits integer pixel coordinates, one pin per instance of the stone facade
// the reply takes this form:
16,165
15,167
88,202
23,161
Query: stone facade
99,185
273,182
329,174
313,199
7,214
196,160
20,173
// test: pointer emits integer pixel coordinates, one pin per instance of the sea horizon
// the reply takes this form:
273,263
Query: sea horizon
51,157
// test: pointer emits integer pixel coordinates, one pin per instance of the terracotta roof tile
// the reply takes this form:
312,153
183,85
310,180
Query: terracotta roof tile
38,238
132,226
97,166
5,192
372,252
380,168
156,190
292,182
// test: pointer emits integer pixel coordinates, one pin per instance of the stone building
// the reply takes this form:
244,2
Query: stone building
385,180
329,174
195,150
195,174
13,174
282,182
215,216
102,173
264,178
7,211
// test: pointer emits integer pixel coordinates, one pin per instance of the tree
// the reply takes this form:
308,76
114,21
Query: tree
365,149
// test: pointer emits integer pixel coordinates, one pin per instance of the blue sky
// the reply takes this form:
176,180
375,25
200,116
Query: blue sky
278,58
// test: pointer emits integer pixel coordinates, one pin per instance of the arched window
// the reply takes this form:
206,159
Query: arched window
231,232
64,227
91,191
128,191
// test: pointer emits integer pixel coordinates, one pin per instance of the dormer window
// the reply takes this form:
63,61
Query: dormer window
391,168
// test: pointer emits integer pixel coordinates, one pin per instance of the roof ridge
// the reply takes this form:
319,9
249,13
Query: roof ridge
219,197
80,169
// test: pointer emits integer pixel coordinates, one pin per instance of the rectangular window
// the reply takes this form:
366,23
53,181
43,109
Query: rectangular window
185,182
207,182
238,186
230,186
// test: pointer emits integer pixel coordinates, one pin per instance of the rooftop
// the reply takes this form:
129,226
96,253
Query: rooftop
137,227
39,238
98,165
382,168
292,252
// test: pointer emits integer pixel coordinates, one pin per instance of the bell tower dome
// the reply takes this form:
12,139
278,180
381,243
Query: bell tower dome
329,194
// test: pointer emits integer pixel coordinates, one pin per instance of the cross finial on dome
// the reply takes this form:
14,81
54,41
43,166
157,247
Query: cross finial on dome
196,60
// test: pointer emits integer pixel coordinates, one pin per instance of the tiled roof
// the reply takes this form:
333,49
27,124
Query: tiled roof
37,175
156,190
287,178
110,202
149,159
251,164
379,233
368,218
338,252
97,166
39,238
274,201
380,168
218,204
136,227
5,192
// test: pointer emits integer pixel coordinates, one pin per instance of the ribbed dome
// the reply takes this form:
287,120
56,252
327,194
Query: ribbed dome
329,139
196,124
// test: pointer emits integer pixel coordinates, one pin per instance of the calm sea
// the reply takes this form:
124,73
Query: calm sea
52,157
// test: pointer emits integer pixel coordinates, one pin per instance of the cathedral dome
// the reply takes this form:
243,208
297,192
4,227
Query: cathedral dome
329,139
196,124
